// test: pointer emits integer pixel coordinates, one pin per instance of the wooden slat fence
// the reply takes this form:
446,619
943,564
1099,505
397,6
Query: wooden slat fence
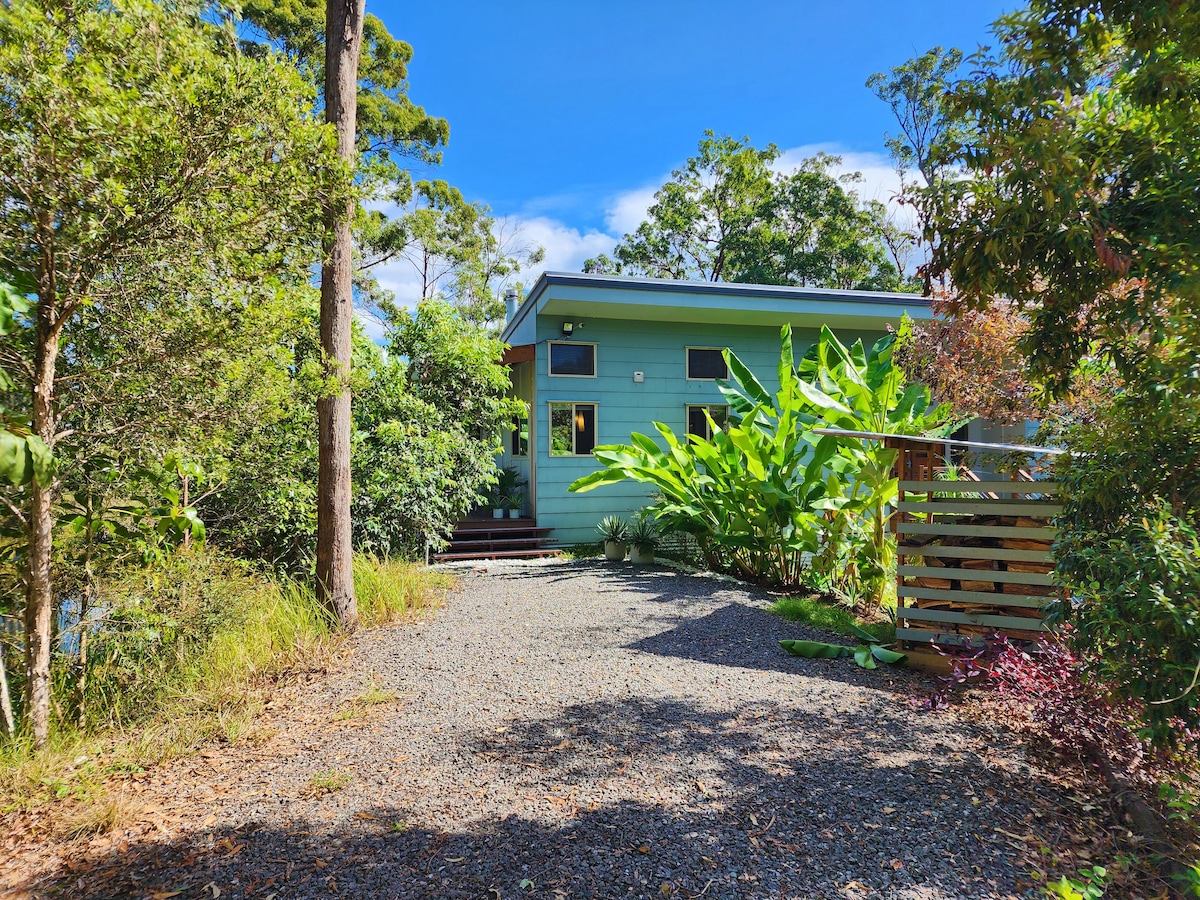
974,555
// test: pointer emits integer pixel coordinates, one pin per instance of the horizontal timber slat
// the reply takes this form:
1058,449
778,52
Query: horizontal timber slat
921,636
978,487
995,531
975,575
1017,623
1004,553
981,507
981,597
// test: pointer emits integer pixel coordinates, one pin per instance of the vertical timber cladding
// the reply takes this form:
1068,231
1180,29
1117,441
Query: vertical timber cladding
974,555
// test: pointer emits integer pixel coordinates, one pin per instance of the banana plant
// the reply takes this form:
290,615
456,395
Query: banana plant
865,654
851,389
752,495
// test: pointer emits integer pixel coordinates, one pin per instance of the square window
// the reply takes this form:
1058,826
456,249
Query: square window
572,359
698,425
572,429
706,363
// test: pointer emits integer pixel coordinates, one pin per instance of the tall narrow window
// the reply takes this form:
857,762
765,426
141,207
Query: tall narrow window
570,358
519,436
698,425
706,363
572,429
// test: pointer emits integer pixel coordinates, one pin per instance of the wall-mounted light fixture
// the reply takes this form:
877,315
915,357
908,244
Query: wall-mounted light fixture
567,329
639,377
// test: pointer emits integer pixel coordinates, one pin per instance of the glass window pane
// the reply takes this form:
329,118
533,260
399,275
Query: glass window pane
696,424
519,436
572,359
720,414
706,364
585,428
561,429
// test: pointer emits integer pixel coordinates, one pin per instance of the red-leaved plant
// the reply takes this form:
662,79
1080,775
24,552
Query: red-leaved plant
1046,690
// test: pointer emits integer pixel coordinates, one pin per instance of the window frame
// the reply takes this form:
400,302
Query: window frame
514,429
687,416
550,358
687,365
550,404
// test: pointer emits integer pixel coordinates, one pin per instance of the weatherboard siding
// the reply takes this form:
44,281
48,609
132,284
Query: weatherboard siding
658,349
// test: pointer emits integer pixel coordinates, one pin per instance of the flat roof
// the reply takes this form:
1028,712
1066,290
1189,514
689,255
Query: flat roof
620,296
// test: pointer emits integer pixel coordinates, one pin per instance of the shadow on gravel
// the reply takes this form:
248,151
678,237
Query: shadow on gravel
748,637
645,799
653,583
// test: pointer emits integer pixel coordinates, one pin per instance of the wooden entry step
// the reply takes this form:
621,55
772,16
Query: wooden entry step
498,539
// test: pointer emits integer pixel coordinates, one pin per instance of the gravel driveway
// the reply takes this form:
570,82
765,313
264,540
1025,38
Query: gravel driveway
587,729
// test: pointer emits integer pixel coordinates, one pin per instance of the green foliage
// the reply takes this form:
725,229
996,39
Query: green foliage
189,634
1089,886
390,126
725,216
1127,554
459,252
765,494
390,590
643,535
866,655
1081,181
426,432
821,614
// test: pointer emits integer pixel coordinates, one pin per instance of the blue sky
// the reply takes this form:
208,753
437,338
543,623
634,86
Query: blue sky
564,117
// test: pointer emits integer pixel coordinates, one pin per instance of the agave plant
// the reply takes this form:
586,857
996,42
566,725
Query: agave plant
643,535
614,529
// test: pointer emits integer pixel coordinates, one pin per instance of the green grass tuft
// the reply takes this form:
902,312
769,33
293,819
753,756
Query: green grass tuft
820,614
391,590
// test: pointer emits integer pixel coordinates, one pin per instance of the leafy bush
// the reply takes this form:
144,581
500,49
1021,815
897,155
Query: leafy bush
1128,556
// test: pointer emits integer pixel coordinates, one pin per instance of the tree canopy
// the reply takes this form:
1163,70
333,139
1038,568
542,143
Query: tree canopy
1082,180
727,215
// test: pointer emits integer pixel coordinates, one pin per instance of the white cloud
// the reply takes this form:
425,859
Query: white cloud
627,210
880,180
567,247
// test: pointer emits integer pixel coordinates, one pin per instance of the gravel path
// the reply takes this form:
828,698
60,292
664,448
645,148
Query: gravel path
587,729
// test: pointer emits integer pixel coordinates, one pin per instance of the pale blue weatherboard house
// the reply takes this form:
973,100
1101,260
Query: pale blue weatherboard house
596,357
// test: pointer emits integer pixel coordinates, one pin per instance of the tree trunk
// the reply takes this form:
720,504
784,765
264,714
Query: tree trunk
39,597
335,581
6,710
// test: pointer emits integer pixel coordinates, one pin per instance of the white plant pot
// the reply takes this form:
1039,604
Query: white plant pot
614,551
497,514
514,514
641,557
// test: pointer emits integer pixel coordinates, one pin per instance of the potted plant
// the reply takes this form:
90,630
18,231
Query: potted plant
614,531
508,482
643,540
514,500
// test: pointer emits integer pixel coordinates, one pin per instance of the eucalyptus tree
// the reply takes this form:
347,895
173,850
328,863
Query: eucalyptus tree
361,70
728,215
454,250
146,163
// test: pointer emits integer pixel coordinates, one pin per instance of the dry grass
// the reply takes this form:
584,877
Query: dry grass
101,816
391,591
210,685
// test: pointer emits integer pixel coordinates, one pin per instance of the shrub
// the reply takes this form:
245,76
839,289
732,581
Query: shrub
1128,557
